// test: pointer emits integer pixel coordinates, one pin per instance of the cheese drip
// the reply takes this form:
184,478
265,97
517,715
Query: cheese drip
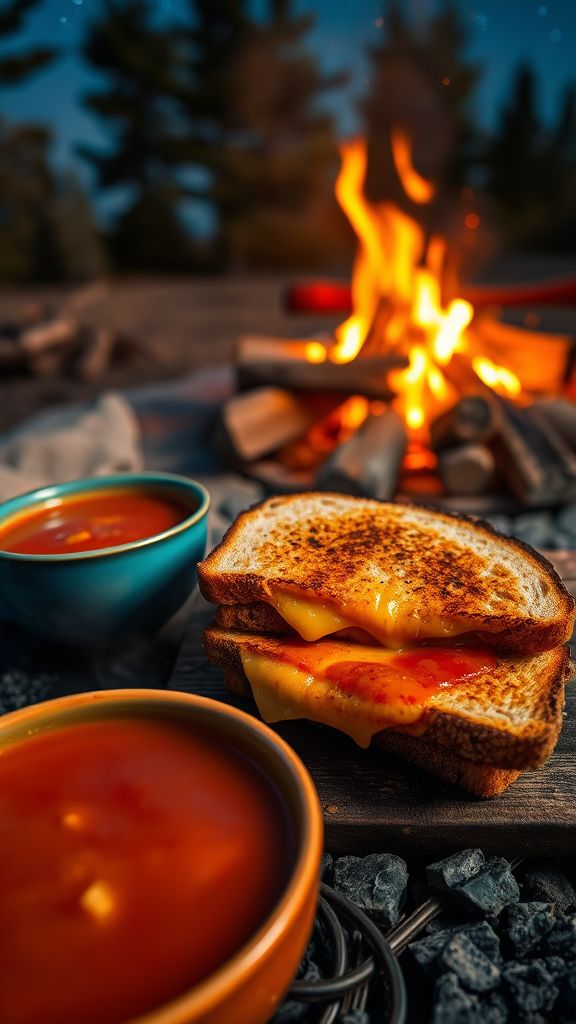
384,615
359,690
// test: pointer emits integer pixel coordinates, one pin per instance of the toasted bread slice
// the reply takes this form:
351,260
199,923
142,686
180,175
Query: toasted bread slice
403,573
480,779
507,716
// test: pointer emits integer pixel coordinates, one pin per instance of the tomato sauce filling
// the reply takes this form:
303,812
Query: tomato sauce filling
103,519
135,859
410,677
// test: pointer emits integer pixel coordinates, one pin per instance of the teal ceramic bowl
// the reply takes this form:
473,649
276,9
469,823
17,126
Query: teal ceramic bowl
104,597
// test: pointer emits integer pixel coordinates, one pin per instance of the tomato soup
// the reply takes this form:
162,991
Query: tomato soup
135,857
87,522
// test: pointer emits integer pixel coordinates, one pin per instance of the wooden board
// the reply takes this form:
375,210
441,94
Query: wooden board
375,802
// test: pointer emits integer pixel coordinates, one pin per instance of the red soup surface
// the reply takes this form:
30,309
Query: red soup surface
135,858
103,519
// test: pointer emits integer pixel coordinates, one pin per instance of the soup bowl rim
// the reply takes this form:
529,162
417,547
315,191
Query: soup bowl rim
137,481
205,996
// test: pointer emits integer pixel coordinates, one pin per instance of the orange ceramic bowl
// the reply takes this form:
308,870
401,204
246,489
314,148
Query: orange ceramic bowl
247,988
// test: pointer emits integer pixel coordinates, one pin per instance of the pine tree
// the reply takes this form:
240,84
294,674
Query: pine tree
136,58
515,156
249,101
16,66
422,82
26,181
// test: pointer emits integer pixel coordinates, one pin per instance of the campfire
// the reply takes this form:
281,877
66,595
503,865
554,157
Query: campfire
442,397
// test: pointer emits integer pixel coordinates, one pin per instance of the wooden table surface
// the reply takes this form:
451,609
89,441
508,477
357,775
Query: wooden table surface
373,801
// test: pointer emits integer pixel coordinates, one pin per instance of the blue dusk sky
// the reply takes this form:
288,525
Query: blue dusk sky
502,34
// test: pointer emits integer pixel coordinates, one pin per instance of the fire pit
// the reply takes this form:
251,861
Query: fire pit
423,392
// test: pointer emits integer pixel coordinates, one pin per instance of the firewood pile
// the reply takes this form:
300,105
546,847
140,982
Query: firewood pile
294,423
43,341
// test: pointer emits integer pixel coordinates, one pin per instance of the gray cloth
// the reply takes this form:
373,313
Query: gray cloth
65,444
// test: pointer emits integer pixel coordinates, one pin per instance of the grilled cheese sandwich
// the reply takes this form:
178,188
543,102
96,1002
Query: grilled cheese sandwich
380,619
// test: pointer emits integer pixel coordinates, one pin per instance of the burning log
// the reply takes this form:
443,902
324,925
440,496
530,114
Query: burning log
369,463
471,420
561,414
530,454
272,361
261,421
533,458
468,469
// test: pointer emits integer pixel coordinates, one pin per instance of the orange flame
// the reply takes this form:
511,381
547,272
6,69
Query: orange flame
397,294
416,188
499,378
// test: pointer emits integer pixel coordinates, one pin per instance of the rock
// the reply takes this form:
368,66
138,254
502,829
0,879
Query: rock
451,871
485,938
561,940
490,890
566,520
536,528
452,1005
376,883
567,999
474,970
549,886
531,987
494,1009
292,1012
525,924
427,952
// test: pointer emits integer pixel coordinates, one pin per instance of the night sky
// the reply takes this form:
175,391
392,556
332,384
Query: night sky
502,33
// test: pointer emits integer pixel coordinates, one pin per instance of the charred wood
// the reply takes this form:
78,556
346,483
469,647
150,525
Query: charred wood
258,422
368,464
262,361
468,469
561,414
471,420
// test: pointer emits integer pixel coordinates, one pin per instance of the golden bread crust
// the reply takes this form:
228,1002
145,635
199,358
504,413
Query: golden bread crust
332,548
478,778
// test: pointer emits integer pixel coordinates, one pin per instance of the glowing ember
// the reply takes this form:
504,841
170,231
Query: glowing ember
315,352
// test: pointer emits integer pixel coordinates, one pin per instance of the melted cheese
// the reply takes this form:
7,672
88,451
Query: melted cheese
384,614
311,619
283,691
357,689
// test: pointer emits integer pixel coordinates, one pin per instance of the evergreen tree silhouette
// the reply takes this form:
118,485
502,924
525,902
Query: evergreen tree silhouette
18,65
422,82
515,156
531,167
26,183
249,100
137,59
